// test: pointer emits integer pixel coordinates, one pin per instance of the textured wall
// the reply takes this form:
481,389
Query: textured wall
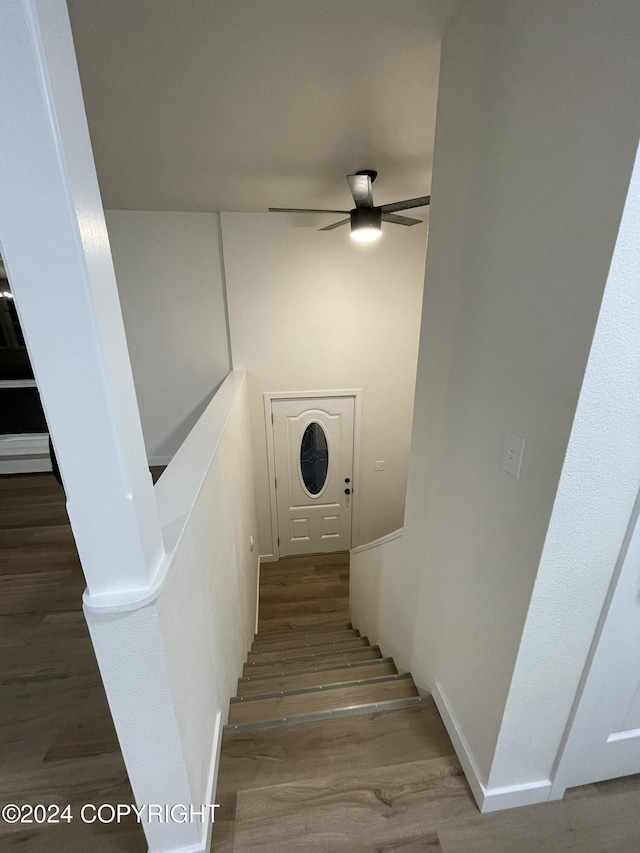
207,609
171,287
597,491
185,649
536,135
316,311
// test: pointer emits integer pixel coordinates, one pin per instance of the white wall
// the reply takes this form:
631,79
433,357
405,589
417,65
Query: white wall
171,286
595,500
207,609
55,247
316,311
376,609
186,644
536,132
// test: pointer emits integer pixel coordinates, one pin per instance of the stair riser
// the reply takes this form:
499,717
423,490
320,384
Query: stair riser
298,690
306,651
306,589
372,708
292,632
307,640
331,699
307,679
371,653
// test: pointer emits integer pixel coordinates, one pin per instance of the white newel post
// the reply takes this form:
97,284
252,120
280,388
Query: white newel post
56,250
55,245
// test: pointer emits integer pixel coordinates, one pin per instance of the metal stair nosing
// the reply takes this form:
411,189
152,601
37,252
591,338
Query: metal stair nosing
318,688
327,647
334,713
266,644
328,667
274,661
273,635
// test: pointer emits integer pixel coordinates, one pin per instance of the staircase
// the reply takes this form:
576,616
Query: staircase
314,673
327,744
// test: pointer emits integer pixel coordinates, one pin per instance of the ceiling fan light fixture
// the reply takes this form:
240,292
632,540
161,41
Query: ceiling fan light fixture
366,224
365,218
366,235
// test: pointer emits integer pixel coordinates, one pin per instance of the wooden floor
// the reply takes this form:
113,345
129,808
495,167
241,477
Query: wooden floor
302,592
383,781
57,741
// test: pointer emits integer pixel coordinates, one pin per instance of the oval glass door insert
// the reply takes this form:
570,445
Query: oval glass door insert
314,458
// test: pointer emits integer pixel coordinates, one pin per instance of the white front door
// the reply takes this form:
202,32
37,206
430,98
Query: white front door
313,450
604,739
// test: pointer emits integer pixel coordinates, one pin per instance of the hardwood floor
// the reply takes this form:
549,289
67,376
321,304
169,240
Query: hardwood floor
57,741
381,781
303,592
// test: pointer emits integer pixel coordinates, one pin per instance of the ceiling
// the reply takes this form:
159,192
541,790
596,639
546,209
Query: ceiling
239,105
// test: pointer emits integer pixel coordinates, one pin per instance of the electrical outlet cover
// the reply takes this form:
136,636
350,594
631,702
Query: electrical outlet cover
512,454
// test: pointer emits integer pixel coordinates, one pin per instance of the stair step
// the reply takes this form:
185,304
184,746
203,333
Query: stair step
305,651
294,620
304,631
310,587
306,640
293,719
260,673
319,659
370,679
324,699
275,683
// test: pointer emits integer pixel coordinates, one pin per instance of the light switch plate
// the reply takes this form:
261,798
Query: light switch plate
378,466
512,454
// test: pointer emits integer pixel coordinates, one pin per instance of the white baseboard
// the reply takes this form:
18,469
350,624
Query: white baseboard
488,799
207,829
268,558
212,781
258,595
514,796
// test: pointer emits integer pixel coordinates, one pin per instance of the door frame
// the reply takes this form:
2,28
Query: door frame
268,398
566,768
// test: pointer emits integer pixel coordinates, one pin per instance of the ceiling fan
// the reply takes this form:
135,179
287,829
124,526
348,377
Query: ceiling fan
366,219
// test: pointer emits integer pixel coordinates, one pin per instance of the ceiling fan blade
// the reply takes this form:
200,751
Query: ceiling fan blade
406,204
303,210
360,186
335,225
400,220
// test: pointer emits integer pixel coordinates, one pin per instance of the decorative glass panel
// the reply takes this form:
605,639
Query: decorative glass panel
314,458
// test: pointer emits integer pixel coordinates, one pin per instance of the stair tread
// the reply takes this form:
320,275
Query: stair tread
308,629
332,699
340,656
262,673
306,639
370,678
372,709
305,650
333,675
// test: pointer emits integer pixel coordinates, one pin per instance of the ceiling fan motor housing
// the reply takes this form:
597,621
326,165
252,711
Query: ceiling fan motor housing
366,217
